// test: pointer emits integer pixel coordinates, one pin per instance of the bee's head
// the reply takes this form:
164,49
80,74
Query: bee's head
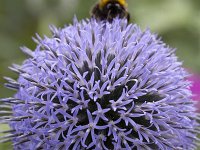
113,6
111,3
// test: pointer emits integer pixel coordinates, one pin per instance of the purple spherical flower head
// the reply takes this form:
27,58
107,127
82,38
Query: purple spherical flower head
101,86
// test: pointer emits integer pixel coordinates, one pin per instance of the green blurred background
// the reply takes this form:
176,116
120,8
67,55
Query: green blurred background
176,21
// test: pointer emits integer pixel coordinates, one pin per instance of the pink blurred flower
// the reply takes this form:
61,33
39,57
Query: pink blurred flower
195,88
195,78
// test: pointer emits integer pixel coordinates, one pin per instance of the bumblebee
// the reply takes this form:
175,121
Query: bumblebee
109,9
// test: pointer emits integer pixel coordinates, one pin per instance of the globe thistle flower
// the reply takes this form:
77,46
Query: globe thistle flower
99,85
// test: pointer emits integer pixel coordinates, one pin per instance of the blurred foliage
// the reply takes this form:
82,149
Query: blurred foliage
176,21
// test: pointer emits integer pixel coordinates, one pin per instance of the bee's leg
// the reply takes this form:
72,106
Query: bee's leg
128,17
109,17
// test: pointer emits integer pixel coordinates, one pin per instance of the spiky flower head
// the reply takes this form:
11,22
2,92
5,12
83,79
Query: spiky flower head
102,86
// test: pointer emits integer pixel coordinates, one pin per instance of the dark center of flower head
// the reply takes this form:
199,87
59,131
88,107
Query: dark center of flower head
101,86
117,106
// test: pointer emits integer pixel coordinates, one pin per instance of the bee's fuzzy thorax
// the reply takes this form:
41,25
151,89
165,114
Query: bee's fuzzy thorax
110,9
